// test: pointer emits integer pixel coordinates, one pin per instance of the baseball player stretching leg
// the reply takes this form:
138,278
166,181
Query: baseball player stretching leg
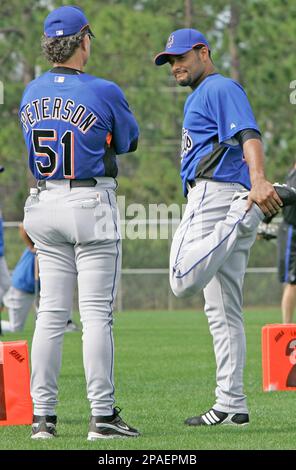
74,124
223,178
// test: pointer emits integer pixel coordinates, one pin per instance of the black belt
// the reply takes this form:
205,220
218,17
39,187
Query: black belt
90,182
83,183
191,183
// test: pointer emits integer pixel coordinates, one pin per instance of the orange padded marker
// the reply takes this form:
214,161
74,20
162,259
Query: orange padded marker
279,357
15,400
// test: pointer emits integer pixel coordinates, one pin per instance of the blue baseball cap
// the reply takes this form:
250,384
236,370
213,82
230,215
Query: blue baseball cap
180,42
65,21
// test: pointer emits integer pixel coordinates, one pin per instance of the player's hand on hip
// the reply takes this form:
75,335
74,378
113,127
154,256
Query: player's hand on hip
265,196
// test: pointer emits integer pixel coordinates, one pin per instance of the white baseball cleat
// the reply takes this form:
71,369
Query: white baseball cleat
214,417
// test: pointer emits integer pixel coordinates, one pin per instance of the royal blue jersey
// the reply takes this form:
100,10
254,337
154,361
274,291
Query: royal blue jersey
214,112
1,237
23,274
74,124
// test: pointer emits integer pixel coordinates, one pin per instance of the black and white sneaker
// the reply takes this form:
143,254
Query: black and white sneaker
109,427
44,427
71,327
214,417
287,195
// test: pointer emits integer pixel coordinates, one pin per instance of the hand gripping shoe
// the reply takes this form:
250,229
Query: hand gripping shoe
286,193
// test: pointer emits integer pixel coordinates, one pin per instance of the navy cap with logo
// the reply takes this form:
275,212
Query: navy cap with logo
180,42
66,21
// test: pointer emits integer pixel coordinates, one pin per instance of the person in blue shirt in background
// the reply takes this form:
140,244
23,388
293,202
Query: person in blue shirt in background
20,296
24,290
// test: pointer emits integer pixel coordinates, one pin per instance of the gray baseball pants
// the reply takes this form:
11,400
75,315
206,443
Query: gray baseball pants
210,251
76,233
18,303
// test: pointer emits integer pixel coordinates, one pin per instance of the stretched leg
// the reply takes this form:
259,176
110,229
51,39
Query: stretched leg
58,276
223,307
198,253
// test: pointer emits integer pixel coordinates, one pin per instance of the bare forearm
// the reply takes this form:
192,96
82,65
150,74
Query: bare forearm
262,191
254,156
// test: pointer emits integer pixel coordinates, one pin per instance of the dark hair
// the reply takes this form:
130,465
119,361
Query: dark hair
200,46
60,49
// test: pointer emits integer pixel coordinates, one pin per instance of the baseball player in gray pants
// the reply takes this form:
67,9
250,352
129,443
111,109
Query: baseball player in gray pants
74,124
228,195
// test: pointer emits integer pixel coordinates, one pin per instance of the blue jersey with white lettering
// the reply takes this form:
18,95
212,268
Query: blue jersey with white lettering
74,124
1,237
214,112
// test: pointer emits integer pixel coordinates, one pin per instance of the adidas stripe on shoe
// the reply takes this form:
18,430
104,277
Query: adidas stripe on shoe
110,427
214,417
44,427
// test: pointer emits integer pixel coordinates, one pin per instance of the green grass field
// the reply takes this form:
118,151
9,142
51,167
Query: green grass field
165,372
